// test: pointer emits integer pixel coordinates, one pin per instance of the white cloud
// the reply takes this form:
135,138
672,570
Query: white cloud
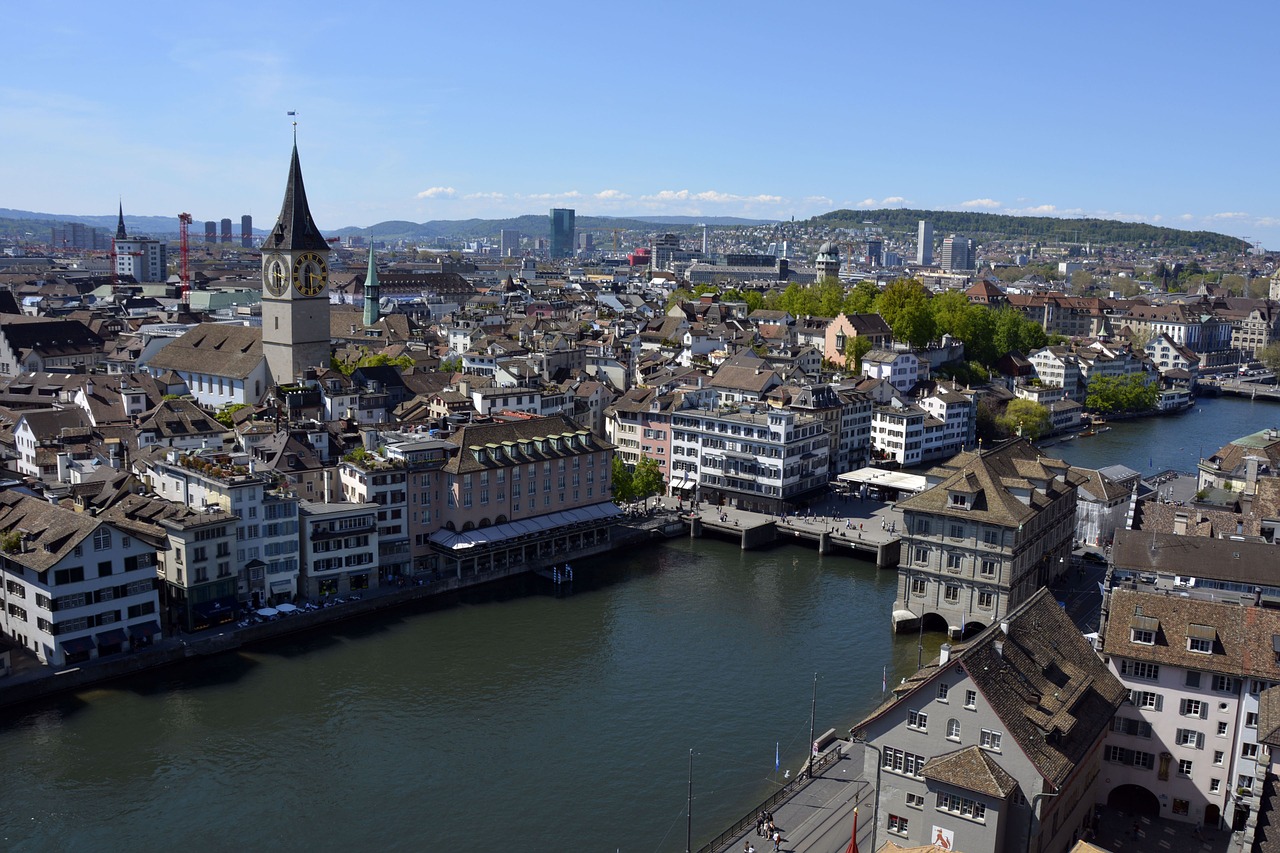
867,202
819,200
1186,217
980,202
893,199
1230,215
438,192
486,196
1037,210
612,195
712,196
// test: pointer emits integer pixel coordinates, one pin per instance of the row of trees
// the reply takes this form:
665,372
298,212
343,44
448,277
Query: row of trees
633,484
1110,394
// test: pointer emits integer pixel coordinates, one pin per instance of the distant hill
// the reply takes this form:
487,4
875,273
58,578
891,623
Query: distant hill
998,226
154,226
530,224
708,220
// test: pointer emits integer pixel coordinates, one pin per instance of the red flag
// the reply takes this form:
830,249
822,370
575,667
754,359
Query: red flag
853,843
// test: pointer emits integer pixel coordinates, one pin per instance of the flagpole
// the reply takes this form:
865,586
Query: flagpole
688,829
813,715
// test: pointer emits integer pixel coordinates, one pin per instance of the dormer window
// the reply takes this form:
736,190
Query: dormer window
1200,639
959,500
1143,630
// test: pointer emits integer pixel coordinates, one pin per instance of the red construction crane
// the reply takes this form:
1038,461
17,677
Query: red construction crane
184,251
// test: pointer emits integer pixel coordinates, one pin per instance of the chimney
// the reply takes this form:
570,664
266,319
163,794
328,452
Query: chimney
1004,626
999,647
1257,596
944,654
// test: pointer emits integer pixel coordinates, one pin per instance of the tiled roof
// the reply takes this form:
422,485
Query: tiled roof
1242,636
1220,559
213,349
49,532
973,769
518,441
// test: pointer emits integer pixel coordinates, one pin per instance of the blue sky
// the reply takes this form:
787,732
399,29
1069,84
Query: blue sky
1162,113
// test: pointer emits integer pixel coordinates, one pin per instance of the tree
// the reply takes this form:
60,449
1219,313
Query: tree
1132,393
904,304
1081,281
224,416
677,296
1270,356
829,295
951,313
861,298
451,365
622,488
1024,417
854,349
646,479
754,299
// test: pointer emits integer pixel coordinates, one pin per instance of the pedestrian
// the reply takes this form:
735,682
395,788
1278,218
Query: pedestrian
760,825
777,841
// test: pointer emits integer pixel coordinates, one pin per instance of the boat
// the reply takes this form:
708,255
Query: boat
1097,420
1068,438
1087,433
1103,428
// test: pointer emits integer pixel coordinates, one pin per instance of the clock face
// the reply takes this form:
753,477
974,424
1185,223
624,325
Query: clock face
276,277
310,274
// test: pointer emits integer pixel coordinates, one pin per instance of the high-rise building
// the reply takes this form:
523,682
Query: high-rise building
828,261
508,243
924,244
138,257
226,230
875,248
585,242
958,253
246,231
562,231
210,231
664,247
295,287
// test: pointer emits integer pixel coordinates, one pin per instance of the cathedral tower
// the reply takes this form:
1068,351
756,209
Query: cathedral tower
371,289
295,287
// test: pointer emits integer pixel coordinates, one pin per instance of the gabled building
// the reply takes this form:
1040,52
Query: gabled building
998,741
994,526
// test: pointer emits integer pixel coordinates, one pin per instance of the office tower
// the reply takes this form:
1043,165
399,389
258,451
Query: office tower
210,231
924,244
226,230
562,232
246,231
665,246
957,253
875,247
508,243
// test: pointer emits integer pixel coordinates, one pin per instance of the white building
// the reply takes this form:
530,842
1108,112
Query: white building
142,259
899,369
339,548
75,587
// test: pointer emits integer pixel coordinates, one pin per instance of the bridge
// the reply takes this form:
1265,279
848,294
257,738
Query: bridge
864,534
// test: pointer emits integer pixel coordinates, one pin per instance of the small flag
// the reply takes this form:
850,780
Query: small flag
853,843
291,113
777,756
884,679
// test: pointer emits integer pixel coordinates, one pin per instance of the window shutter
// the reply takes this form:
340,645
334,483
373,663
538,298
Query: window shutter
1159,702
1182,707
1204,710
1199,740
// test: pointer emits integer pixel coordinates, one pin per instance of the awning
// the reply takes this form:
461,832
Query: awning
684,485
146,629
77,645
114,637
510,530
281,586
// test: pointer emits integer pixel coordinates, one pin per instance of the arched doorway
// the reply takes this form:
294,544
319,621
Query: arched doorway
1134,799
1212,815
971,629
934,622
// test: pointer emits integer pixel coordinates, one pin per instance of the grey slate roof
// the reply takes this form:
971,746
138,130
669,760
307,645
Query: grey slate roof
213,349
294,229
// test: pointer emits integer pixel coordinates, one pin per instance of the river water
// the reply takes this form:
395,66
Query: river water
514,720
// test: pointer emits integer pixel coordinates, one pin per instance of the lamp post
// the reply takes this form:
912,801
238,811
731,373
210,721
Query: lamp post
1031,818
875,806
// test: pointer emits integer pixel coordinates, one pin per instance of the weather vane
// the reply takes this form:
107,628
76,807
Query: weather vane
294,113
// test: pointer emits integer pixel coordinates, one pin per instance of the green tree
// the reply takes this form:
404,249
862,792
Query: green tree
1132,393
754,299
646,479
622,486
677,296
451,365
1081,281
951,313
861,298
224,415
904,304
829,295
854,349
1270,356
1024,417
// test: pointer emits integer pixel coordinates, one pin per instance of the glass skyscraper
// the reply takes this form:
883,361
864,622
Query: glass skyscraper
562,232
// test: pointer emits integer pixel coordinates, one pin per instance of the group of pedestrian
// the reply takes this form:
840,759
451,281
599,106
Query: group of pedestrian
765,828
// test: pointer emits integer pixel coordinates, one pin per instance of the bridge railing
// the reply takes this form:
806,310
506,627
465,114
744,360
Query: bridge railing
781,795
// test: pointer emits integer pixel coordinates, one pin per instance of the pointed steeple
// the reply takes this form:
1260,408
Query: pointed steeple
120,234
371,289
294,230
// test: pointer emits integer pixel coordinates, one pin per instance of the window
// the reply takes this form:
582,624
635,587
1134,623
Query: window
1181,807
1215,786
943,690
1126,726
916,801
101,539
1222,729
986,600
1184,767
1218,757
1193,678
962,806
1249,750
1139,635
1224,684
1140,669
1146,699
988,568
1245,783
922,555
953,561
951,593
897,824
971,699
898,761
918,720
1194,708
957,531
1189,737
953,729
918,586
1131,757
1199,644
1251,720
990,740
991,537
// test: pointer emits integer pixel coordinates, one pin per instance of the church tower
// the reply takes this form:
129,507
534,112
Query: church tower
295,287
371,290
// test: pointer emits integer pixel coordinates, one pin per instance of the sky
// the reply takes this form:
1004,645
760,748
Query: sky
1162,113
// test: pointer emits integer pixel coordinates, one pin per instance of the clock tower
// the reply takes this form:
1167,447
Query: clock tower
295,287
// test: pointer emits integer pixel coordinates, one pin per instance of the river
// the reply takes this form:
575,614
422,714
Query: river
517,719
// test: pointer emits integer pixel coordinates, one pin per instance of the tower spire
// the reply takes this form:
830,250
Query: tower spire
371,289
120,233
294,229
